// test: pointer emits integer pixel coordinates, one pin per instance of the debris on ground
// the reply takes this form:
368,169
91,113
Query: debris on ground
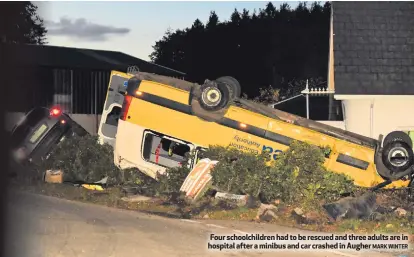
352,207
199,179
266,207
385,210
136,198
57,177
89,186
268,216
99,185
277,201
95,187
240,200
301,218
267,212
370,206
298,211
389,226
400,212
103,181
53,176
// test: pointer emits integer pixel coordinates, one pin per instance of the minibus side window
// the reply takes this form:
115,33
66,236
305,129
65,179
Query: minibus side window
164,152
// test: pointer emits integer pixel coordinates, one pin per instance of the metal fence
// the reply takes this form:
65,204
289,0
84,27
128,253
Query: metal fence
77,91
80,91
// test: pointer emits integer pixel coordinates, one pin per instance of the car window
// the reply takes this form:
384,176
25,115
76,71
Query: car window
35,116
19,134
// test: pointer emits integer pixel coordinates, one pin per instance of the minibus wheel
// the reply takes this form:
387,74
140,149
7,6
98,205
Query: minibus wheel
397,156
398,136
214,96
232,84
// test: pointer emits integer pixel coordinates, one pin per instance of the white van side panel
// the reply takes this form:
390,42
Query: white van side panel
128,146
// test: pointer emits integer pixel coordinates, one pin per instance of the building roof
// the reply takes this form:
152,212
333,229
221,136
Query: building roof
77,58
373,48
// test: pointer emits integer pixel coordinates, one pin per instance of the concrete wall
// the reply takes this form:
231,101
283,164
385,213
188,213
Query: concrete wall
88,121
372,117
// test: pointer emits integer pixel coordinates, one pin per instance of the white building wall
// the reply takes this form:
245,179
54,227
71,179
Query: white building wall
338,124
387,114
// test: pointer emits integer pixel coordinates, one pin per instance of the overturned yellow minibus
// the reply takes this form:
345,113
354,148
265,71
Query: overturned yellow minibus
163,118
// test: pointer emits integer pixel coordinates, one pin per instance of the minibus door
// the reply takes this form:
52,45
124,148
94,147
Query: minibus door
112,107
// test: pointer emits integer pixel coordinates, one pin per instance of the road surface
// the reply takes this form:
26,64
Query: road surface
42,226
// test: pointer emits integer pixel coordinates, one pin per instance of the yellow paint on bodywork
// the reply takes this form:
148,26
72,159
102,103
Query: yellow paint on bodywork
164,91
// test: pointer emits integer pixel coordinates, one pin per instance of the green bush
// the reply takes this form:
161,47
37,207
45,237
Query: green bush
297,176
170,182
238,172
84,159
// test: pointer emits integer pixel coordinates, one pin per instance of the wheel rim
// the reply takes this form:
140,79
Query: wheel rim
211,96
398,157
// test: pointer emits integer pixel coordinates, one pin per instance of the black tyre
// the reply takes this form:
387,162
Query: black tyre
397,156
213,98
232,84
398,136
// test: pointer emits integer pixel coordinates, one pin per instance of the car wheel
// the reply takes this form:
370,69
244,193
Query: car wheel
398,136
233,86
397,156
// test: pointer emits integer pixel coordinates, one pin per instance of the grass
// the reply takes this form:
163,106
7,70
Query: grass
111,197
241,213
391,225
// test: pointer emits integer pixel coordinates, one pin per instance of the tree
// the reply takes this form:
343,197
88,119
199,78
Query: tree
198,25
20,23
270,10
245,16
235,17
213,20
254,15
266,48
